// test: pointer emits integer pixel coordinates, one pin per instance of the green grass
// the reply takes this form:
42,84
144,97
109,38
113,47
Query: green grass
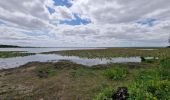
152,84
149,85
116,73
8,54
105,94
165,74
151,90
81,72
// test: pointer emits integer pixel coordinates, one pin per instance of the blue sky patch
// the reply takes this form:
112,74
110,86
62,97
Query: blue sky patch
76,21
2,23
62,3
51,10
39,33
148,21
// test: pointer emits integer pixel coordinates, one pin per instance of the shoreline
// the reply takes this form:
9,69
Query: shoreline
100,66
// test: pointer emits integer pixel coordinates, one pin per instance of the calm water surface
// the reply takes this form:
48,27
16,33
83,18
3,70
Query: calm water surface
6,63
39,50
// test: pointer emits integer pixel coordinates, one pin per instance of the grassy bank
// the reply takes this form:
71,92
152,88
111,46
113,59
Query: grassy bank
68,81
8,54
116,52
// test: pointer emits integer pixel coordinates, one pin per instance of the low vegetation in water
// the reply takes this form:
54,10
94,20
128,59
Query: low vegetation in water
8,54
115,52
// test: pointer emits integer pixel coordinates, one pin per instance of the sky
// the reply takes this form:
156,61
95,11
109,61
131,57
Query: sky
85,23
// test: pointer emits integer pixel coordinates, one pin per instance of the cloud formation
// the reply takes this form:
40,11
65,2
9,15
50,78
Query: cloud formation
86,22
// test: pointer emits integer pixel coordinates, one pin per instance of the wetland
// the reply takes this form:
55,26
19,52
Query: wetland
86,74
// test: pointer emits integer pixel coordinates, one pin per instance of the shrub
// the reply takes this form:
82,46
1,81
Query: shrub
149,85
105,94
162,90
143,59
116,73
152,90
164,74
165,63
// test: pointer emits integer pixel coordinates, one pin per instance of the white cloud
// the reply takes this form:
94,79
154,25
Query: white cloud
113,23
118,11
62,13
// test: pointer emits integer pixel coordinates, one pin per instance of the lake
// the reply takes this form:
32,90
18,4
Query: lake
6,63
39,50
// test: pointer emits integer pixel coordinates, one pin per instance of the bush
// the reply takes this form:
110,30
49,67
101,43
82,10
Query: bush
152,90
162,90
149,85
108,94
165,63
116,73
105,94
164,74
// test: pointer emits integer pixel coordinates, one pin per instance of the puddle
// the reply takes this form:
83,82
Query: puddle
6,63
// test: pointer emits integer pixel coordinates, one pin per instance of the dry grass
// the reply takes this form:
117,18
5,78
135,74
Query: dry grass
70,81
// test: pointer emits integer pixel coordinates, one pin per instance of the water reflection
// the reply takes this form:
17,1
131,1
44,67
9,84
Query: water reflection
39,50
18,61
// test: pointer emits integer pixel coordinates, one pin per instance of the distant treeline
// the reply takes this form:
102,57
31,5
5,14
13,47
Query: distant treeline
9,46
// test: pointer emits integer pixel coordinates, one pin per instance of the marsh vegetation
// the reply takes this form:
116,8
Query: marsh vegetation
115,52
65,80
8,54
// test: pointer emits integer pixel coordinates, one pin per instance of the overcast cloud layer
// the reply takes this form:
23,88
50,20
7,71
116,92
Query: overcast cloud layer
85,23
